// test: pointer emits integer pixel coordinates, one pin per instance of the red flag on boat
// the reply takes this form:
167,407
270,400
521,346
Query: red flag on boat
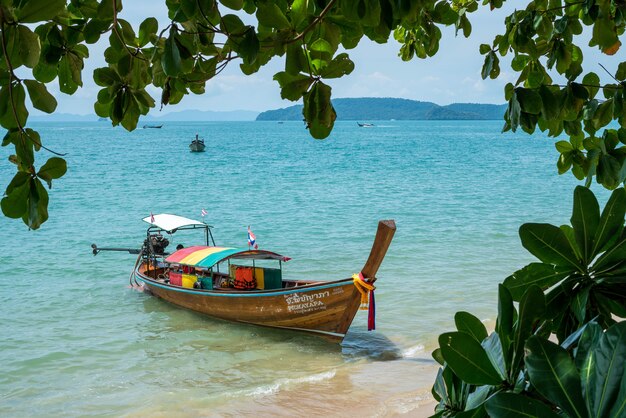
151,218
203,213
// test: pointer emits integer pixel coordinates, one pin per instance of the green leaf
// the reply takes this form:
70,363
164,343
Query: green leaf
619,408
531,309
54,168
249,46
585,220
106,76
318,111
35,11
439,388
614,254
608,171
94,29
515,405
271,16
579,304
292,87
591,81
40,97
44,72
602,384
549,244
232,24
553,373
340,65
12,117
603,114
529,100
495,351
14,204
295,60
505,320
29,46
148,27
550,105
437,356
233,4
488,65
563,146
170,60
611,221
478,412
320,53
539,274
468,323
468,359
605,35
513,112
70,68
620,74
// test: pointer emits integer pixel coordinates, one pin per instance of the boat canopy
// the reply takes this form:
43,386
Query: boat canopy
168,222
207,257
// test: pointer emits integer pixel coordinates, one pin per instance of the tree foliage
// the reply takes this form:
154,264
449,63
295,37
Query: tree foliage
575,292
49,39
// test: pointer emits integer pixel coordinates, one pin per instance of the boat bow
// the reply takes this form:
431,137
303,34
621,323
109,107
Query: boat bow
384,235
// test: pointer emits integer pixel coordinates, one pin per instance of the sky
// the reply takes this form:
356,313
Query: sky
452,76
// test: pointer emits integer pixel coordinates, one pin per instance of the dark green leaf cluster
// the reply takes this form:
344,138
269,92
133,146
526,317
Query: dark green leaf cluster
541,37
574,294
203,36
312,36
49,51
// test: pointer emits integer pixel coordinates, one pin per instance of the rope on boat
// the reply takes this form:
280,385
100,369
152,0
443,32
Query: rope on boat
132,279
367,299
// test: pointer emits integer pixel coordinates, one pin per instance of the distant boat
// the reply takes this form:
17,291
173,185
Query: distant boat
152,126
365,125
197,145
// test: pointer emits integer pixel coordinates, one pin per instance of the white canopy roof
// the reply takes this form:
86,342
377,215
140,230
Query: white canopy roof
169,222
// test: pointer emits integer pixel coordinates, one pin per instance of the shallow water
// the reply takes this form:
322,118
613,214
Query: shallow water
76,340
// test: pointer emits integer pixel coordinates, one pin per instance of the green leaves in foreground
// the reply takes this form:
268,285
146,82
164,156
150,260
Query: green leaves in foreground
553,373
582,265
26,197
318,111
575,293
468,359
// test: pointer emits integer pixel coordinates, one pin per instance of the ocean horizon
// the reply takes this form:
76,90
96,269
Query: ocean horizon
78,340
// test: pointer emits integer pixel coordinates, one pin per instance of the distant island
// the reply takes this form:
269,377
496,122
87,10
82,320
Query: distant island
372,108
359,109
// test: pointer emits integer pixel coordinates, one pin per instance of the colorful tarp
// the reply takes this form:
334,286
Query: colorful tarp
203,256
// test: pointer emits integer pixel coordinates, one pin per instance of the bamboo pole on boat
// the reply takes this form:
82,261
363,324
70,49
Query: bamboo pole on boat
384,235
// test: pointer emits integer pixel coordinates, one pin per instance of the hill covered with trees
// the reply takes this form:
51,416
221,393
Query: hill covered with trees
372,108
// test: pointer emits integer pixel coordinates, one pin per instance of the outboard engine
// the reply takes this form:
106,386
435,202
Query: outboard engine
156,244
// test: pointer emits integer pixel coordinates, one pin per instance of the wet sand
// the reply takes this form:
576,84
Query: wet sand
399,388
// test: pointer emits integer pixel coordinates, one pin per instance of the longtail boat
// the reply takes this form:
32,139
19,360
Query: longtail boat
197,145
245,284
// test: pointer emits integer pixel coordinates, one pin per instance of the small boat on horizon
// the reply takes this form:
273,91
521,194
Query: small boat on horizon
242,284
152,126
197,145
365,125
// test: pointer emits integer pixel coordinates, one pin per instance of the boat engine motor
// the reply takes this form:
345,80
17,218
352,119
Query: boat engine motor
156,244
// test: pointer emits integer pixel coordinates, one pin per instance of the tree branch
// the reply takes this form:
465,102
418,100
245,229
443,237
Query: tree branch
315,21
121,38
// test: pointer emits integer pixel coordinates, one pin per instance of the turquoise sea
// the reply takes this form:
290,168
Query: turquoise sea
76,340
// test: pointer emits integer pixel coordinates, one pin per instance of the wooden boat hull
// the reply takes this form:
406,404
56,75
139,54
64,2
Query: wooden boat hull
325,308
196,147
